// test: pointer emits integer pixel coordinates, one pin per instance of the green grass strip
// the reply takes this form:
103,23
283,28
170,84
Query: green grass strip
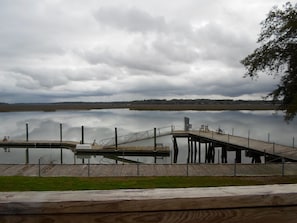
20,183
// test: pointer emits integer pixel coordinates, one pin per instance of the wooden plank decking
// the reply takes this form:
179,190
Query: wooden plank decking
258,204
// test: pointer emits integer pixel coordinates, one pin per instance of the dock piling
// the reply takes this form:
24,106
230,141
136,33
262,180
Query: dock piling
82,135
155,138
189,150
27,132
61,155
175,150
27,155
238,156
195,154
199,151
61,134
116,137
191,139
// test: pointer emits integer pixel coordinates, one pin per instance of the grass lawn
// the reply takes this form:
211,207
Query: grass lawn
19,183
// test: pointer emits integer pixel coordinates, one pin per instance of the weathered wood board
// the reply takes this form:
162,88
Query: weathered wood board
270,203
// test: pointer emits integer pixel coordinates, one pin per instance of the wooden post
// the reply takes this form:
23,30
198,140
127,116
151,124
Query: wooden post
61,155
175,152
82,135
27,132
238,156
195,154
213,150
218,156
27,156
116,137
192,150
293,142
224,155
61,134
188,160
199,152
155,138
27,139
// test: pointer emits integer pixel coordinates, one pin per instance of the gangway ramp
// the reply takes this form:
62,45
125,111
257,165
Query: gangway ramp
138,136
241,143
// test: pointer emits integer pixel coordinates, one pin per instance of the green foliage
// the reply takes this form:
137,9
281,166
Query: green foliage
277,55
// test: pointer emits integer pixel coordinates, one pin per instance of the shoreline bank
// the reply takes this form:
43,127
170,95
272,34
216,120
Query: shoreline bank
181,106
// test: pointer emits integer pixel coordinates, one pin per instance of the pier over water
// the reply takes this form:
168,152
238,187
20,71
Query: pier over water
217,139
202,142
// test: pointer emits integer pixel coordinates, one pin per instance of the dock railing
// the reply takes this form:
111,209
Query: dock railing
138,136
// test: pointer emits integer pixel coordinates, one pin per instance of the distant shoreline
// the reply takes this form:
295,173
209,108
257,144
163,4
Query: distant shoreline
149,105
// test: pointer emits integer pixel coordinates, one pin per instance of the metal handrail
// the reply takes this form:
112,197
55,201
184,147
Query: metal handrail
138,136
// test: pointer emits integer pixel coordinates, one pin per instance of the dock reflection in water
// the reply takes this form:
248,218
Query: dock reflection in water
100,124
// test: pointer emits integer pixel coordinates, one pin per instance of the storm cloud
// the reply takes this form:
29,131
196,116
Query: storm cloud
74,50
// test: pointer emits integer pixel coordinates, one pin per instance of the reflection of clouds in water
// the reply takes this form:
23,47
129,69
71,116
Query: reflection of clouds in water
100,124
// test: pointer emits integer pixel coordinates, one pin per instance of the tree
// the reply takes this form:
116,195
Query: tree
277,55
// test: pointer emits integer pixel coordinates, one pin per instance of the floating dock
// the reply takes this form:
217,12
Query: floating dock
89,149
126,150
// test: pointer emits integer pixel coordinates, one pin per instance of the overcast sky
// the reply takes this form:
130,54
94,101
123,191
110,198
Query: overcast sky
111,50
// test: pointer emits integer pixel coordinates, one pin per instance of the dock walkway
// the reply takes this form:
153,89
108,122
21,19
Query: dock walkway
240,143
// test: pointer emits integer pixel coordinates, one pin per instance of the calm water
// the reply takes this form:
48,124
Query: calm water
100,124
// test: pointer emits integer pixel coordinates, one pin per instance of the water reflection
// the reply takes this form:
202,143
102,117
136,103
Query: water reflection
100,124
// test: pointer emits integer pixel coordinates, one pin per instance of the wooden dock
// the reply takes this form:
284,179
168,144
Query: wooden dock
157,150
39,144
245,204
126,150
254,148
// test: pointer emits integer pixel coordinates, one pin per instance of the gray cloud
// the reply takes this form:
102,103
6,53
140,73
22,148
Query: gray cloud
126,49
132,19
